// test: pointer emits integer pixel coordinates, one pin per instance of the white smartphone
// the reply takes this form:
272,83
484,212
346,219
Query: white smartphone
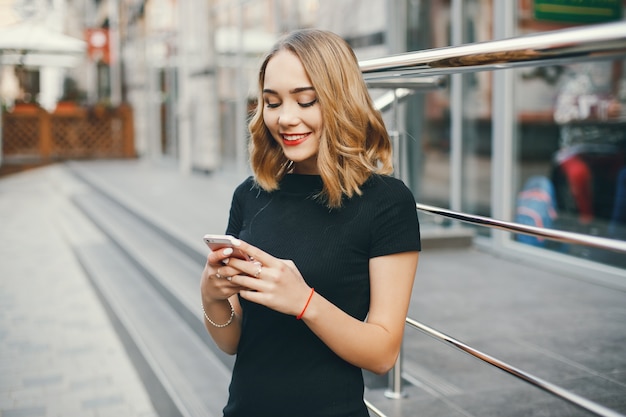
217,242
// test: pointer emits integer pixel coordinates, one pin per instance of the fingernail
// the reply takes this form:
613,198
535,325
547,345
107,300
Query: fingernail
228,251
225,261
229,278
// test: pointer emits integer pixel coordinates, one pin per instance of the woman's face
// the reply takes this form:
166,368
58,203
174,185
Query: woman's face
292,113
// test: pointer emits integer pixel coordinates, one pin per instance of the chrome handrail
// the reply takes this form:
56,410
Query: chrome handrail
416,84
403,88
601,41
538,382
551,234
387,100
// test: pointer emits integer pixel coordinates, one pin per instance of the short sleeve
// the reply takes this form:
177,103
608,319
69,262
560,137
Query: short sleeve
395,226
235,218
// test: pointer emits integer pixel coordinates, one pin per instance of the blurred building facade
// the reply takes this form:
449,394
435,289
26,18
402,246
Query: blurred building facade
188,70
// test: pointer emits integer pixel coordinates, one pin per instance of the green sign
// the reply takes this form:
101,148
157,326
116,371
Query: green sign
579,11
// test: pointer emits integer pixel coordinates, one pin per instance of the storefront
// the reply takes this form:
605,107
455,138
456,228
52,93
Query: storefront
479,145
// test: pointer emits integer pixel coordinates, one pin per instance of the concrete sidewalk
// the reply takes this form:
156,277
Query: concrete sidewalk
59,354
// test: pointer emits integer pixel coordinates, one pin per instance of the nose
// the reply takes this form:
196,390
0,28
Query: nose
288,115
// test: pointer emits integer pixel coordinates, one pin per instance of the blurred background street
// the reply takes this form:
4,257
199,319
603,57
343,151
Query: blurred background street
123,134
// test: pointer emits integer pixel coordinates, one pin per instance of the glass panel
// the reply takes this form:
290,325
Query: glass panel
571,146
476,118
429,115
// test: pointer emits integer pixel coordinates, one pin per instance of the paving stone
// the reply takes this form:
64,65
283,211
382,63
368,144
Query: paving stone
54,332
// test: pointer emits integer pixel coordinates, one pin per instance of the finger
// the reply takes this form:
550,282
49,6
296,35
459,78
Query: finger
257,254
217,257
234,266
225,286
233,288
228,271
254,296
253,269
213,272
248,283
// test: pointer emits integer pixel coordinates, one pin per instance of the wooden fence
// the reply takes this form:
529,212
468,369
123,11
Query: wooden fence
32,134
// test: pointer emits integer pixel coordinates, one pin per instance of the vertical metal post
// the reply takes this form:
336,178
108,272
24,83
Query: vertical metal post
242,95
114,51
394,135
394,390
183,106
456,115
396,42
503,116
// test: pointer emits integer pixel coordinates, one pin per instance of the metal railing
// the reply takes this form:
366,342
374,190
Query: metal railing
551,234
560,46
592,42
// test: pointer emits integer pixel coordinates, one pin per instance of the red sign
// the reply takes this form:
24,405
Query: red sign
98,45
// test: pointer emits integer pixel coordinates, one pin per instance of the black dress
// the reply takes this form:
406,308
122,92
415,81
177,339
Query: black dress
282,368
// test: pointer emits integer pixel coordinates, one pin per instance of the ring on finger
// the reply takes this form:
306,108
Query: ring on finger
258,272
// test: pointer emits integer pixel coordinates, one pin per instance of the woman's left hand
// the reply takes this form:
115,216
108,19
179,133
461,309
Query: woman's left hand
272,282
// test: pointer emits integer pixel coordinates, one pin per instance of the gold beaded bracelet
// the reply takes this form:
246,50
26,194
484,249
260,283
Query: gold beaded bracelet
230,319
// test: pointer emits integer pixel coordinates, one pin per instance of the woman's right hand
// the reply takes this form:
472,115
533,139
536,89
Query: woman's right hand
215,284
218,302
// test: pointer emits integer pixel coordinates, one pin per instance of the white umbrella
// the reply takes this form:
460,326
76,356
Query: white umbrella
33,44
29,37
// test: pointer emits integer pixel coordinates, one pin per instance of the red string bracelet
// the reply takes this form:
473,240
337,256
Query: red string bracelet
299,316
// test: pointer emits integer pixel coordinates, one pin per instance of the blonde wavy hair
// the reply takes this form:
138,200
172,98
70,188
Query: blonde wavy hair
354,141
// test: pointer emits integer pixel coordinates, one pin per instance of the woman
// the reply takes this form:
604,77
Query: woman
333,238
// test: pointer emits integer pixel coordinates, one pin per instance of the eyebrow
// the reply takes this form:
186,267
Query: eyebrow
293,91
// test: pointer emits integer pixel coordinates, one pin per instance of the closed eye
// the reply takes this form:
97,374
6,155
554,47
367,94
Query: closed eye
309,104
